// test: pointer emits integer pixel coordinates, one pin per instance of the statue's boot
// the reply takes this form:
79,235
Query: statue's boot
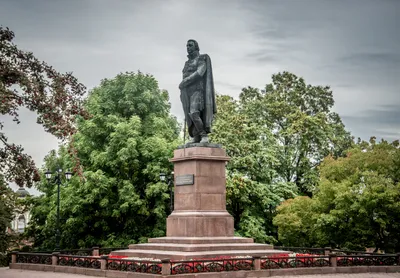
204,139
196,139
198,124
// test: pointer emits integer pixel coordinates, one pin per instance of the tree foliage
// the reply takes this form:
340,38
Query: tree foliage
123,147
10,207
252,193
295,221
304,128
27,82
7,210
357,203
276,139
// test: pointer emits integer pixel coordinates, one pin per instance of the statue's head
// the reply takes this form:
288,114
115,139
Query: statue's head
192,46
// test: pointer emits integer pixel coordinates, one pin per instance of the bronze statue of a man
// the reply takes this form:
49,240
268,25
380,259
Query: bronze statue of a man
197,93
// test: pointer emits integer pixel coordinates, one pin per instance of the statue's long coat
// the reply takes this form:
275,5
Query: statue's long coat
210,107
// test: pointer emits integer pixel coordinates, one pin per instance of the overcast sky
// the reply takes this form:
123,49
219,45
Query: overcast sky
351,45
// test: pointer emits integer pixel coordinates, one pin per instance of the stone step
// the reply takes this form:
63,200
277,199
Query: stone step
200,247
174,255
200,240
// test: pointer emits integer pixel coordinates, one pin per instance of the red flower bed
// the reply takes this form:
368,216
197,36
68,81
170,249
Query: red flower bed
117,257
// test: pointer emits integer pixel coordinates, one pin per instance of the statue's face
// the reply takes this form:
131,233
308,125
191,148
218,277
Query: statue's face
190,47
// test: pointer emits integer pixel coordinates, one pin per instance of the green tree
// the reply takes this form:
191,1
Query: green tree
304,128
10,206
7,209
295,219
123,147
252,193
276,139
356,205
359,197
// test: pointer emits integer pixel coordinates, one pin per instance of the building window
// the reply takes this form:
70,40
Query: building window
21,224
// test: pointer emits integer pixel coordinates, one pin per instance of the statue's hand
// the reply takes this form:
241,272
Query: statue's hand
182,84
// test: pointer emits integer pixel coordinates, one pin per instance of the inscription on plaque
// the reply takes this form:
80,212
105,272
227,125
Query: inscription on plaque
184,180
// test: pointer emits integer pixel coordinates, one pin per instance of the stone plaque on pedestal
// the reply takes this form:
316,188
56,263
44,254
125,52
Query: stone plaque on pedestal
184,180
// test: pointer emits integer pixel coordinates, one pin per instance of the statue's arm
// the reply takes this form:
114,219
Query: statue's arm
199,73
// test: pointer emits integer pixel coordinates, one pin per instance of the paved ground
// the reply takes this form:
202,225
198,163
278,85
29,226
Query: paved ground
360,275
17,273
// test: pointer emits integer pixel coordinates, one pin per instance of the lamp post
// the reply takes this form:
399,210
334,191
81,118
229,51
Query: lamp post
57,179
169,178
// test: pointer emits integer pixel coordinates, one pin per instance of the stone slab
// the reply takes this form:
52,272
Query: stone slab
199,201
199,247
176,255
201,145
200,225
200,240
200,153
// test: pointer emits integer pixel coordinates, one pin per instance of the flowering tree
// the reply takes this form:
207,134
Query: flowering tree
55,97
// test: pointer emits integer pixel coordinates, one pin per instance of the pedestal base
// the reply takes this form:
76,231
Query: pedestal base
200,224
184,248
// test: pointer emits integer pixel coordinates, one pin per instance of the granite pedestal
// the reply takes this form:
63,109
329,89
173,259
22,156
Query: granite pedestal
200,226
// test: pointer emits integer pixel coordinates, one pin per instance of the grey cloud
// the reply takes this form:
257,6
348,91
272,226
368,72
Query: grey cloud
263,56
390,135
383,115
392,107
373,59
231,86
382,121
344,85
272,33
